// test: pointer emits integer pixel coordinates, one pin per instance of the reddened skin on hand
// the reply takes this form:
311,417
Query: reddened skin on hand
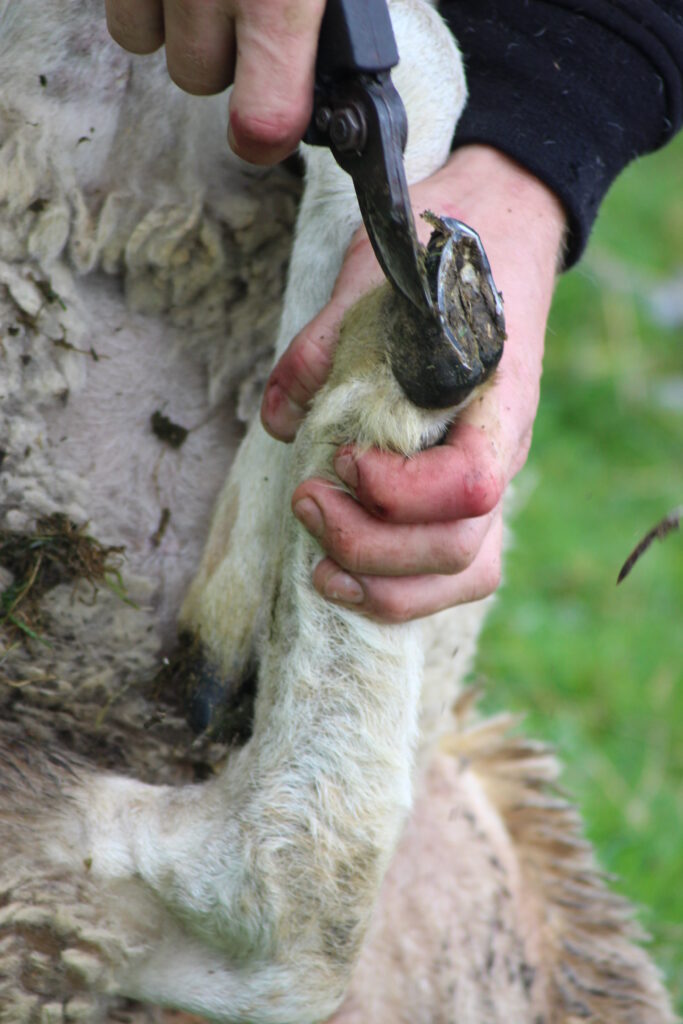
422,534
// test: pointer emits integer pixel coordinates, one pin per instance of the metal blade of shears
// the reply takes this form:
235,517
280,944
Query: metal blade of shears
359,114
455,307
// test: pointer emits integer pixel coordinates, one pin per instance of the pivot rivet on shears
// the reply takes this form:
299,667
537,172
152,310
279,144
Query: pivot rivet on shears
347,130
445,294
323,116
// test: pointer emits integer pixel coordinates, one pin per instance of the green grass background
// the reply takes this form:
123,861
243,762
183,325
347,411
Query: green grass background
598,668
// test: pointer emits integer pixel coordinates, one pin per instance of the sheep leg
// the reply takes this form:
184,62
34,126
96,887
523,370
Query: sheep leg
228,606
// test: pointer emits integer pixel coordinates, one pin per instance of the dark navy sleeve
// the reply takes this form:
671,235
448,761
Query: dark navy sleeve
574,90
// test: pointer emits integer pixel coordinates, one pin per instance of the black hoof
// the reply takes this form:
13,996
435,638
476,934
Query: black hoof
439,359
218,705
222,708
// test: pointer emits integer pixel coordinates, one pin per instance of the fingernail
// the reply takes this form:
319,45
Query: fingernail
346,469
308,512
280,413
342,587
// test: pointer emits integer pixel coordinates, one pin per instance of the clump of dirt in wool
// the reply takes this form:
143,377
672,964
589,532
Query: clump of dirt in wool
56,551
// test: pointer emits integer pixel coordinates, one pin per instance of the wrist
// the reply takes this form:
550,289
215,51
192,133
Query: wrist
503,201
521,224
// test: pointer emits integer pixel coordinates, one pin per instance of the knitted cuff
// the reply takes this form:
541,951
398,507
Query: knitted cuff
571,90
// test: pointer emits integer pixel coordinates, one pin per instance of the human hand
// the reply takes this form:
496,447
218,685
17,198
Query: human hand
267,47
426,533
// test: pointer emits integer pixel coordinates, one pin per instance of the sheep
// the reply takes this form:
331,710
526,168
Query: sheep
365,853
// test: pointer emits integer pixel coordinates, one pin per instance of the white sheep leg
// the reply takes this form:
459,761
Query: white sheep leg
228,605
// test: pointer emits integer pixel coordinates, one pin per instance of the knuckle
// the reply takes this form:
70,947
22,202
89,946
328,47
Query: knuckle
456,555
485,578
395,608
296,368
133,36
345,549
309,365
383,487
483,490
457,560
194,71
196,85
277,131
301,373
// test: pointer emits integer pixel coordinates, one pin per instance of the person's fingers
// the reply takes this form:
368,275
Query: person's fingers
136,25
400,599
459,479
271,103
300,373
269,47
200,44
303,368
467,474
361,543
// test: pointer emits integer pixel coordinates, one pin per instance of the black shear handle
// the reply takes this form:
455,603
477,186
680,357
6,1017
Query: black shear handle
359,115
356,37
455,310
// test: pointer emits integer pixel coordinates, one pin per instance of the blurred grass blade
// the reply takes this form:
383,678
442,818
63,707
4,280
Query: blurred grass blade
664,527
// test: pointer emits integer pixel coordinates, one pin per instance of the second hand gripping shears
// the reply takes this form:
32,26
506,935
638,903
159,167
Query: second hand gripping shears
448,288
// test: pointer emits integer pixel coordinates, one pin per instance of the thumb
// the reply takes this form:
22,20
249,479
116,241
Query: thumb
300,372
305,366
